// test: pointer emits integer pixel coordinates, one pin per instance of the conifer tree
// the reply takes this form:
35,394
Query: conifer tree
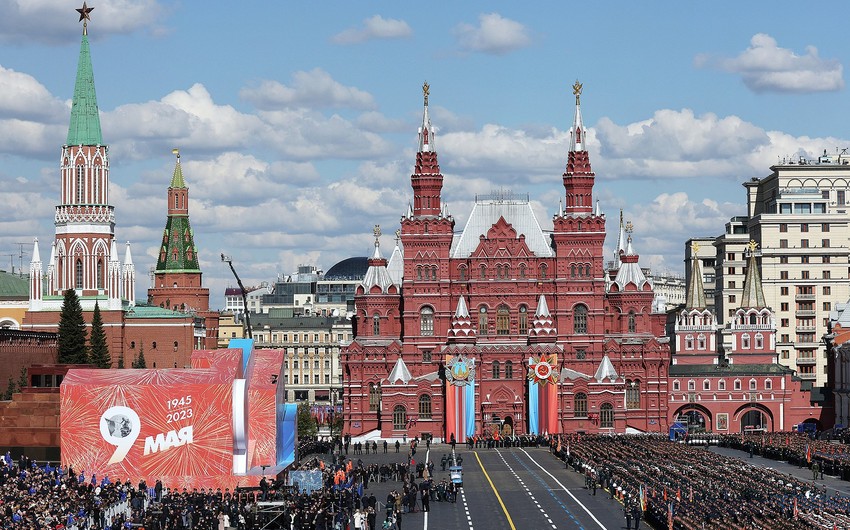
72,331
98,349
10,389
121,361
22,378
306,423
139,362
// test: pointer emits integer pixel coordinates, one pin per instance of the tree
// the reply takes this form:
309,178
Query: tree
23,381
72,331
98,349
10,389
121,361
139,361
306,423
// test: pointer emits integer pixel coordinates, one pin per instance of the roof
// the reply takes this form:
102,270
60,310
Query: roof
178,252
487,211
717,370
154,311
84,128
177,178
13,287
348,269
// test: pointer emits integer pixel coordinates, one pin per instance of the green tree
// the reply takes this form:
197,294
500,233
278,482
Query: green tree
23,381
72,331
99,350
306,423
121,361
10,389
139,361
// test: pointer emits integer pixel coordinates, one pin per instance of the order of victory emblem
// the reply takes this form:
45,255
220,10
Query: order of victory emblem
460,371
542,369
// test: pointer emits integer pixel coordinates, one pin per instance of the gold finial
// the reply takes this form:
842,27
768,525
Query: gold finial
85,16
752,245
377,232
629,227
397,235
694,248
426,89
577,91
176,152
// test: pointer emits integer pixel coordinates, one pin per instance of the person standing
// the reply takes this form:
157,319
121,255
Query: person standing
627,511
385,447
636,514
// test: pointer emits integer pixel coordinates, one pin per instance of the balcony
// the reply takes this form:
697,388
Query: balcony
805,313
808,377
806,345
805,329
806,361
805,297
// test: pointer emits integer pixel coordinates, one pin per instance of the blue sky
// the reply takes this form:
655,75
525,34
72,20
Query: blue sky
297,121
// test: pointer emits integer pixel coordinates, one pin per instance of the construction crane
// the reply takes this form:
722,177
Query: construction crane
247,323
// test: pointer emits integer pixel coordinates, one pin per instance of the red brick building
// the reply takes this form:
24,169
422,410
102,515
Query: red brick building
739,384
84,254
505,326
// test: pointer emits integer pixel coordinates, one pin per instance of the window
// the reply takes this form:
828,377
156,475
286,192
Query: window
374,396
606,416
376,325
706,384
497,370
426,321
731,285
824,243
826,275
824,227
783,275
153,345
482,321
632,322
839,195
804,243
804,259
580,319
732,298
399,417
730,256
827,306
483,271
543,271
783,291
783,306
783,227
425,407
826,259
509,370
692,385
745,341
752,384
730,270
503,321
632,395
581,353
783,260
523,320
461,273
295,379
676,386
78,273
783,243
80,184
804,227
721,385
768,384
426,356
737,384
804,275
522,270
580,405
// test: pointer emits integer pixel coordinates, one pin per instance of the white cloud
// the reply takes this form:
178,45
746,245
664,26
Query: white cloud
375,27
494,34
313,89
52,22
24,98
766,67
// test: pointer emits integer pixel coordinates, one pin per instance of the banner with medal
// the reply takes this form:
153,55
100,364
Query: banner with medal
543,394
460,397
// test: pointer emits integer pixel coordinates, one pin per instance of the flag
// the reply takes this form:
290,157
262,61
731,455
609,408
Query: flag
691,499
679,494
670,516
664,496
559,445
642,498
795,507
568,448
808,454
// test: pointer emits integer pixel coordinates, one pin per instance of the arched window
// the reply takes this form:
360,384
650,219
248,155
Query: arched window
587,270
81,184
543,271
753,318
689,342
426,321
99,274
374,396
737,384
701,342
523,320
706,384
509,370
425,407
498,271
745,341
434,272
759,341
78,272
580,319
503,321
606,416
676,385
752,384
632,394
399,417
721,385
580,405
692,385
418,272
483,271
461,273
482,321
376,324
176,204
522,270
497,370
573,270
632,321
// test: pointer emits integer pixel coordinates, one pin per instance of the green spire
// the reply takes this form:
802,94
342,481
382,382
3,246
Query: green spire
85,120
177,179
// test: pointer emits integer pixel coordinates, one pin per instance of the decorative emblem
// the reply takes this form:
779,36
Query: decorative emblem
426,90
460,371
577,90
542,369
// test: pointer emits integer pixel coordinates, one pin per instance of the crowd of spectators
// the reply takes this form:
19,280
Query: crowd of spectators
700,488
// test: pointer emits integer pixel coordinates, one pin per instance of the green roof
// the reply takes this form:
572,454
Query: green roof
177,179
13,287
177,252
719,370
85,120
153,311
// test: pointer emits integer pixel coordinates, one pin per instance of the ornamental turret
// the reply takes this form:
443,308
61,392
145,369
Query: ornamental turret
427,181
578,177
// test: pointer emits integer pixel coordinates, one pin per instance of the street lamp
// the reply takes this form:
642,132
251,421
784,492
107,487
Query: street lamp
247,325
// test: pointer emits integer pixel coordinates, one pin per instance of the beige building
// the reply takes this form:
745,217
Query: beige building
707,255
799,217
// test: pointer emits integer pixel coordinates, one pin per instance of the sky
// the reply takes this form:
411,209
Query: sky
296,121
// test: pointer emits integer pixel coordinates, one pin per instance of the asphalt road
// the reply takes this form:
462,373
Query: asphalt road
508,489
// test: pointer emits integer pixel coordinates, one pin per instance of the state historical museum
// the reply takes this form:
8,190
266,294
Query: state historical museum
504,327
